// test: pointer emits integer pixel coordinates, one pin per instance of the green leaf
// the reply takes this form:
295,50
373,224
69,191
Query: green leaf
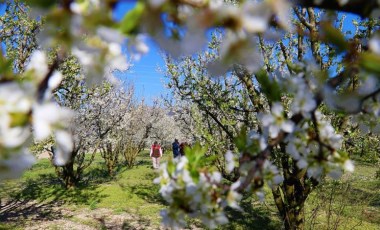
241,140
129,24
41,3
370,62
5,66
171,167
19,119
294,67
334,36
269,87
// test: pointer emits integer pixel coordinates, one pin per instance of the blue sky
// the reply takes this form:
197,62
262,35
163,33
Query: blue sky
144,73
148,81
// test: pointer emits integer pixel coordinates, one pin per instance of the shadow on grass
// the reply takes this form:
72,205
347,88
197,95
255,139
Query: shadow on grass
41,198
143,162
15,211
97,175
250,217
139,223
375,200
360,196
49,187
148,192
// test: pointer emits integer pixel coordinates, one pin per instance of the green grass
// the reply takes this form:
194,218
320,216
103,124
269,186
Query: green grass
131,191
355,200
351,202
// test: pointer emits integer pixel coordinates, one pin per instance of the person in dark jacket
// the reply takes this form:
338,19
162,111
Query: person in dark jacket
175,147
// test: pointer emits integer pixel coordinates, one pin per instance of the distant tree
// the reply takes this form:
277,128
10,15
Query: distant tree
18,35
108,109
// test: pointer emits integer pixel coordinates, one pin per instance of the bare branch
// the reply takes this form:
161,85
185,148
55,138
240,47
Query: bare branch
359,7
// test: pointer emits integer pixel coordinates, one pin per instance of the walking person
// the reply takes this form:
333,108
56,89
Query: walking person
156,154
175,147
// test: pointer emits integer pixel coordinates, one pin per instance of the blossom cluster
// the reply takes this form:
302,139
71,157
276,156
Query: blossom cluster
196,192
22,111
313,143
240,21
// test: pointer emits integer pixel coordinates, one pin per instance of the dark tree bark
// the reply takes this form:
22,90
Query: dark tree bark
359,7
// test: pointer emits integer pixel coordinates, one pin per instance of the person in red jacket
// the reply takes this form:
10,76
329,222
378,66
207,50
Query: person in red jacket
156,154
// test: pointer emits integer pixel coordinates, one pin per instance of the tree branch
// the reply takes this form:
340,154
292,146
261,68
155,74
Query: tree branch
359,7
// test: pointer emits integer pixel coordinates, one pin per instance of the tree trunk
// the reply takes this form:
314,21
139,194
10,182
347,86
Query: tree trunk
69,177
290,207
110,167
295,218
291,194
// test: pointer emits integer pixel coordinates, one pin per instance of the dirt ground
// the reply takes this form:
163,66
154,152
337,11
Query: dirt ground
37,216
43,155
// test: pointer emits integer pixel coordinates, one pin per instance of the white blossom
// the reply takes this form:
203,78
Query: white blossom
137,46
282,9
315,171
156,3
17,162
374,44
328,135
13,137
47,117
342,2
38,64
230,160
260,140
335,174
260,195
302,163
84,7
303,103
369,85
240,48
55,80
110,35
216,177
173,220
348,166
84,57
15,104
255,17
233,197
64,148
14,98
276,121
292,150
